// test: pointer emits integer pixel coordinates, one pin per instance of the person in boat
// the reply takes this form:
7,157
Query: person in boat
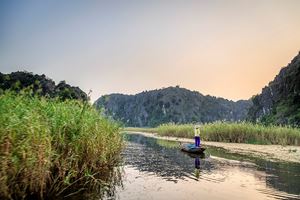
197,135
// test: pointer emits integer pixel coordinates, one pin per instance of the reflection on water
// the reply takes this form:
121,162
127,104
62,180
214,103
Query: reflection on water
157,169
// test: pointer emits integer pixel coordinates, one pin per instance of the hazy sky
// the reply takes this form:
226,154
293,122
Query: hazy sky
222,48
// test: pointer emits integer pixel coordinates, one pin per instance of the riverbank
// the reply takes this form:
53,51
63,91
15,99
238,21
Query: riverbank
270,152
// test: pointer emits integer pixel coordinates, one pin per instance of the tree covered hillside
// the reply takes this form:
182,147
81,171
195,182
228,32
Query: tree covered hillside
172,104
279,102
40,84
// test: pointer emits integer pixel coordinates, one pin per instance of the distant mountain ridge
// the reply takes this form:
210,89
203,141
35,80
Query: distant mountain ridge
40,84
279,102
172,104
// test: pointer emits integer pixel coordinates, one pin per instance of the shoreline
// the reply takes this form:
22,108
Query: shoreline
270,152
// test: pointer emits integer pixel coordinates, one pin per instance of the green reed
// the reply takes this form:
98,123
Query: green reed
49,147
237,132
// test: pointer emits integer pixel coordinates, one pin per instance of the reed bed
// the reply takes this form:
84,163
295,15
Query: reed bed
141,129
50,147
236,132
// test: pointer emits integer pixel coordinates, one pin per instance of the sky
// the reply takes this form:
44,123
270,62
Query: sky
229,49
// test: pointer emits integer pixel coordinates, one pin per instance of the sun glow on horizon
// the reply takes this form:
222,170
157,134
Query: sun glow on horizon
226,49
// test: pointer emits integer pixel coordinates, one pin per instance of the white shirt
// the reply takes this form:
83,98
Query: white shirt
197,130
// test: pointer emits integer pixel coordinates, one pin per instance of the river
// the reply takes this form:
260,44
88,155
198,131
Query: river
157,169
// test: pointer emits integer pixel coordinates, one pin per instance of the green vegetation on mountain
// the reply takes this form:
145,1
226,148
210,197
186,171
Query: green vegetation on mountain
39,84
172,104
51,148
279,102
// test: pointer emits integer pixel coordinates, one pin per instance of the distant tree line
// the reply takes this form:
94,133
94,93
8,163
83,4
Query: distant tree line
41,85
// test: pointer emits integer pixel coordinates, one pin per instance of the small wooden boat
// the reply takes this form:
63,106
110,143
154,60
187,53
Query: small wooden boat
191,148
195,155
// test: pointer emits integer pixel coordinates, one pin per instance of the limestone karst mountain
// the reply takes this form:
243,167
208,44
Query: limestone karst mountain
172,104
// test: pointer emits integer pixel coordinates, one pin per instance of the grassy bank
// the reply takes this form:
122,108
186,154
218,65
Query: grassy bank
242,132
49,147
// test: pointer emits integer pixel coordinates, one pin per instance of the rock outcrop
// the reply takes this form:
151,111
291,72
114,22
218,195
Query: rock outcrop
279,102
172,104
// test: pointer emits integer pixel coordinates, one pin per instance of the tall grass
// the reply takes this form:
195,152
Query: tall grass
48,147
141,129
237,132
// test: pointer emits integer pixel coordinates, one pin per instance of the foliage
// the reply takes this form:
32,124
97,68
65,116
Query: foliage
48,146
40,84
172,104
242,132
279,102
141,129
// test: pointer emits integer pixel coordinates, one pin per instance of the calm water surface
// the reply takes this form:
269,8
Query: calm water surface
157,169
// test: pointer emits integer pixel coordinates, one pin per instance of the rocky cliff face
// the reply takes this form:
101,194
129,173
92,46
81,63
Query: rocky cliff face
40,84
172,104
279,102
